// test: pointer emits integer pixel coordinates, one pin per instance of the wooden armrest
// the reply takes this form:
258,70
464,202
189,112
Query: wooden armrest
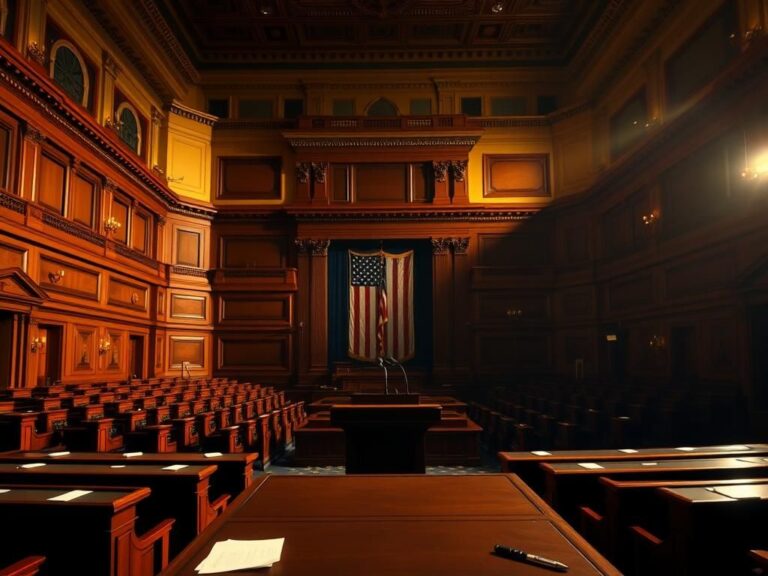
143,548
760,557
590,515
646,536
220,504
25,567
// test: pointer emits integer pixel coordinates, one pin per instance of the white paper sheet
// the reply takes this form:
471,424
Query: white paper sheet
54,454
71,495
590,465
232,555
176,466
132,454
541,453
685,449
117,466
628,450
33,465
649,463
213,454
4,490
734,447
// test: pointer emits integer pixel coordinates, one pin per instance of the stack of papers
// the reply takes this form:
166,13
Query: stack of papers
232,555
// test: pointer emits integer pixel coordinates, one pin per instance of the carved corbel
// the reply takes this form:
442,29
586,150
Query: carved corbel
440,170
459,245
319,170
458,170
440,246
302,172
312,246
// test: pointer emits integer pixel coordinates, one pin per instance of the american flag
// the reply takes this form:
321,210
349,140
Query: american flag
381,305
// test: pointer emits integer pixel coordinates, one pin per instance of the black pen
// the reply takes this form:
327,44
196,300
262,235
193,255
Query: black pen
514,554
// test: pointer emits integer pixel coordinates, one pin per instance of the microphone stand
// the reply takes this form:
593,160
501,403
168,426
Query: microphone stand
402,368
386,376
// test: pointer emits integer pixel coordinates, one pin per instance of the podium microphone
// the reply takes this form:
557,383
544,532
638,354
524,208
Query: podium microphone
386,376
402,368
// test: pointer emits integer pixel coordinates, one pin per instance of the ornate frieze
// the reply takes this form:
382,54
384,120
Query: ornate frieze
12,203
383,142
189,271
71,228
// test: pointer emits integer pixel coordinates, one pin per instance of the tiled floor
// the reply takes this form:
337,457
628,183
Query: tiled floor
283,466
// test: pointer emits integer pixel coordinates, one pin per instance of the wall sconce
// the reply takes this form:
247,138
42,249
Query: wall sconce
497,7
657,342
111,224
104,346
650,218
37,344
652,123
514,312
56,276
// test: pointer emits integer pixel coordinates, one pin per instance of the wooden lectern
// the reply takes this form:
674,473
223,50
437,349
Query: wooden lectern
385,438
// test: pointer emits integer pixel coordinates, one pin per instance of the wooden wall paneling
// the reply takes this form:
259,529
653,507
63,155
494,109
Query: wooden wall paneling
52,180
83,349
273,309
253,251
188,247
84,196
693,277
9,135
516,175
248,352
13,256
628,294
187,307
189,349
76,281
249,178
114,357
127,294
381,182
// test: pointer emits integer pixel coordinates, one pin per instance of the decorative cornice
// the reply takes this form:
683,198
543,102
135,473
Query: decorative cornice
311,246
382,142
161,32
110,64
189,271
33,135
133,255
190,210
191,114
413,216
73,229
12,203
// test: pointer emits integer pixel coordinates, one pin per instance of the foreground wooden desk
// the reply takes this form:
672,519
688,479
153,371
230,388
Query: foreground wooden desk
396,524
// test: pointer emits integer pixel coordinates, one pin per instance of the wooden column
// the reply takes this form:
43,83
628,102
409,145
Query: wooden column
442,185
303,186
30,161
110,71
319,183
461,330
313,310
458,170
442,305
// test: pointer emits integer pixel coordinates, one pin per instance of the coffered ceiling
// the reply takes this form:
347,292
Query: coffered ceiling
383,33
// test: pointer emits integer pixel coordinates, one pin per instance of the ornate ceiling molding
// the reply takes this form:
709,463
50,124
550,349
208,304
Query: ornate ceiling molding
336,141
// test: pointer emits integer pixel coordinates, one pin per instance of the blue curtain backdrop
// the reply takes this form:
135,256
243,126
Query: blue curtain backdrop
338,295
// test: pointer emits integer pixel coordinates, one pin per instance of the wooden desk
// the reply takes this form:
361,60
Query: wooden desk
234,472
180,494
569,484
397,524
28,566
92,534
526,464
385,438
710,530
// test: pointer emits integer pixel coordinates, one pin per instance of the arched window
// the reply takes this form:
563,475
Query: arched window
68,70
382,107
129,126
